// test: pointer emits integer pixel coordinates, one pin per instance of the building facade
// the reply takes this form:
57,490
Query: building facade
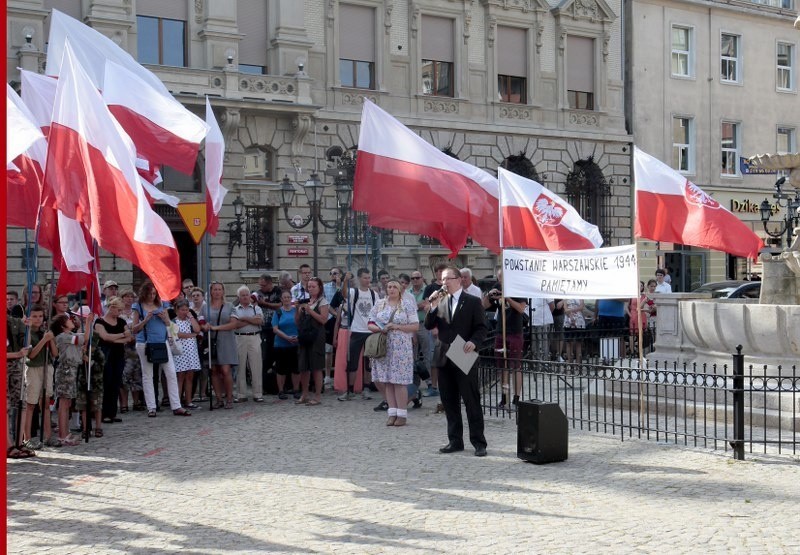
484,79
713,82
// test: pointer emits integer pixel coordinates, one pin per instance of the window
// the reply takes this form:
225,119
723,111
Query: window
251,19
175,181
682,151
786,140
580,73
161,41
357,46
260,237
438,56
729,58
730,148
512,61
785,65
682,51
257,163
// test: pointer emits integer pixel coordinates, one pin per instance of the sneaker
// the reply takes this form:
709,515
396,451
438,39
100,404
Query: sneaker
196,399
33,444
346,396
431,392
242,400
297,394
327,382
192,406
561,359
365,396
258,400
418,399
282,396
52,441
383,405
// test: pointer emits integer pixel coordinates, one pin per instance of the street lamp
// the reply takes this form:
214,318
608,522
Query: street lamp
783,200
313,189
235,228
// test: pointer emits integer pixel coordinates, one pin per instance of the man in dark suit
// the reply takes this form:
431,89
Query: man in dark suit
458,313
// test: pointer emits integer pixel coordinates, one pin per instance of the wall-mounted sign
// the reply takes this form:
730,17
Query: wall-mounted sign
298,238
744,168
739,206
193,215
297,251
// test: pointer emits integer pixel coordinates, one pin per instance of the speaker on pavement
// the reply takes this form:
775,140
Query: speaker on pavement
541,432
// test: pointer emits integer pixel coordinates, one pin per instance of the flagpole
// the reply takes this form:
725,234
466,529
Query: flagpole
209,382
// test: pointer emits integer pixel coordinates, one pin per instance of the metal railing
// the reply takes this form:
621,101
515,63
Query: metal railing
753,408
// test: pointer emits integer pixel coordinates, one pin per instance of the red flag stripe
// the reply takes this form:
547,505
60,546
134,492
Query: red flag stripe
521,230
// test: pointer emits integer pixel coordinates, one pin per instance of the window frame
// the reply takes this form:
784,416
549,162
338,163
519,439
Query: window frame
436,64
788,69
736,61
726,151
688,146
354,85
161,48
508,78
575,95
791,133
688,53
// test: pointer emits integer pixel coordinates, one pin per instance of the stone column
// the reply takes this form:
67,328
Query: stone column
780,279
289,40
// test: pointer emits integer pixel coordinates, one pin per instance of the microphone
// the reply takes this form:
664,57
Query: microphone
440,293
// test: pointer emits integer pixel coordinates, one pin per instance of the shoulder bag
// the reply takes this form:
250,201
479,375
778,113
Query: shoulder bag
375,347
156,353
308,329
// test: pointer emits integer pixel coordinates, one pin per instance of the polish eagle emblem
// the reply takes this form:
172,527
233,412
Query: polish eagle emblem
696,195
547,212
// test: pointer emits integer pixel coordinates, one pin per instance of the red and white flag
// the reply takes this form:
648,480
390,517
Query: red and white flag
533,217
92,162
671,208
405,183
21,130
215,158
164,131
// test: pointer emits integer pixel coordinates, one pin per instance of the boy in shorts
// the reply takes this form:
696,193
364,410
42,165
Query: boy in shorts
38,376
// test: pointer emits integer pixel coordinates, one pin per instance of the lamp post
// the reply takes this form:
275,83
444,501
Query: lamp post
235,228
783,200
313,189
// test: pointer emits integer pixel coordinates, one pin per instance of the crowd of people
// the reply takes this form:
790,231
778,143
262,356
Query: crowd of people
291,340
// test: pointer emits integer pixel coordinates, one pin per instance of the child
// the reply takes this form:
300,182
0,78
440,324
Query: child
188,362
70,359
38,376
98,362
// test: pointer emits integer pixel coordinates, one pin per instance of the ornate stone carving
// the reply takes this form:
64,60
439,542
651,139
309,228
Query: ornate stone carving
492,31
467,20
515,113
267,85
387,16
524,5
589,120
331,12
415,17
198,11
440,107
562,42
585,9
539,33
357,99
229,123
606,39
301,124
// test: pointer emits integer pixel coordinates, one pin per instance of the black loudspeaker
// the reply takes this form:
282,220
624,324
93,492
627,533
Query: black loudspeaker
541,432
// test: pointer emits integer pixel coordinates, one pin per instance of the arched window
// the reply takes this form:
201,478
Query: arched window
520,165
589,192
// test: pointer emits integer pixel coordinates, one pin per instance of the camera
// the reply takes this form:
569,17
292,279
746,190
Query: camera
303,301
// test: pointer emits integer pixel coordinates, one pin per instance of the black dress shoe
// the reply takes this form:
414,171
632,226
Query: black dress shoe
480,451
451,448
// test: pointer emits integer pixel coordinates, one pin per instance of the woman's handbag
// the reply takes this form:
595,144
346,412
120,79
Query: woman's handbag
174,344
308,331
156,353
375,347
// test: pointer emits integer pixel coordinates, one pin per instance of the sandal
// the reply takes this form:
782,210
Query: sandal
123,410
151,413
181,412
313,403
229,404
300,401
69,441
98,433
15,452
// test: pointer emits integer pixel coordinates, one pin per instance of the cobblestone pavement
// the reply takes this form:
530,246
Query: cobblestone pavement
334,479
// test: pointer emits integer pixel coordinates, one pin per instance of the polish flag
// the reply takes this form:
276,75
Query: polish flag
92,161
215,158
533,217
21,131
405,183
163,130
671,208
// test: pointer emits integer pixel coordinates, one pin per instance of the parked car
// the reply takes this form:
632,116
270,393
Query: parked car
731,289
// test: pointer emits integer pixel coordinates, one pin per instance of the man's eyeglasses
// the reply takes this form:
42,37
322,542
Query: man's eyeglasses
416,277
451,277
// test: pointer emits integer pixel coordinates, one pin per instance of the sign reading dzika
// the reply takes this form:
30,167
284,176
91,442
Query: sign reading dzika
609,273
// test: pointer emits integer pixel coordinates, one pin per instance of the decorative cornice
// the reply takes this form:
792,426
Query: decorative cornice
302,125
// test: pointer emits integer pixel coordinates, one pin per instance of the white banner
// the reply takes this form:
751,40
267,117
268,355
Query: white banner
609,273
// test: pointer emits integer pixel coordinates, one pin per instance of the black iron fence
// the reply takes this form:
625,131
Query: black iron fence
728,407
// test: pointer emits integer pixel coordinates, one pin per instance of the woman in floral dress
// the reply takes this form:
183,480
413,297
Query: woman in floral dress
397,318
